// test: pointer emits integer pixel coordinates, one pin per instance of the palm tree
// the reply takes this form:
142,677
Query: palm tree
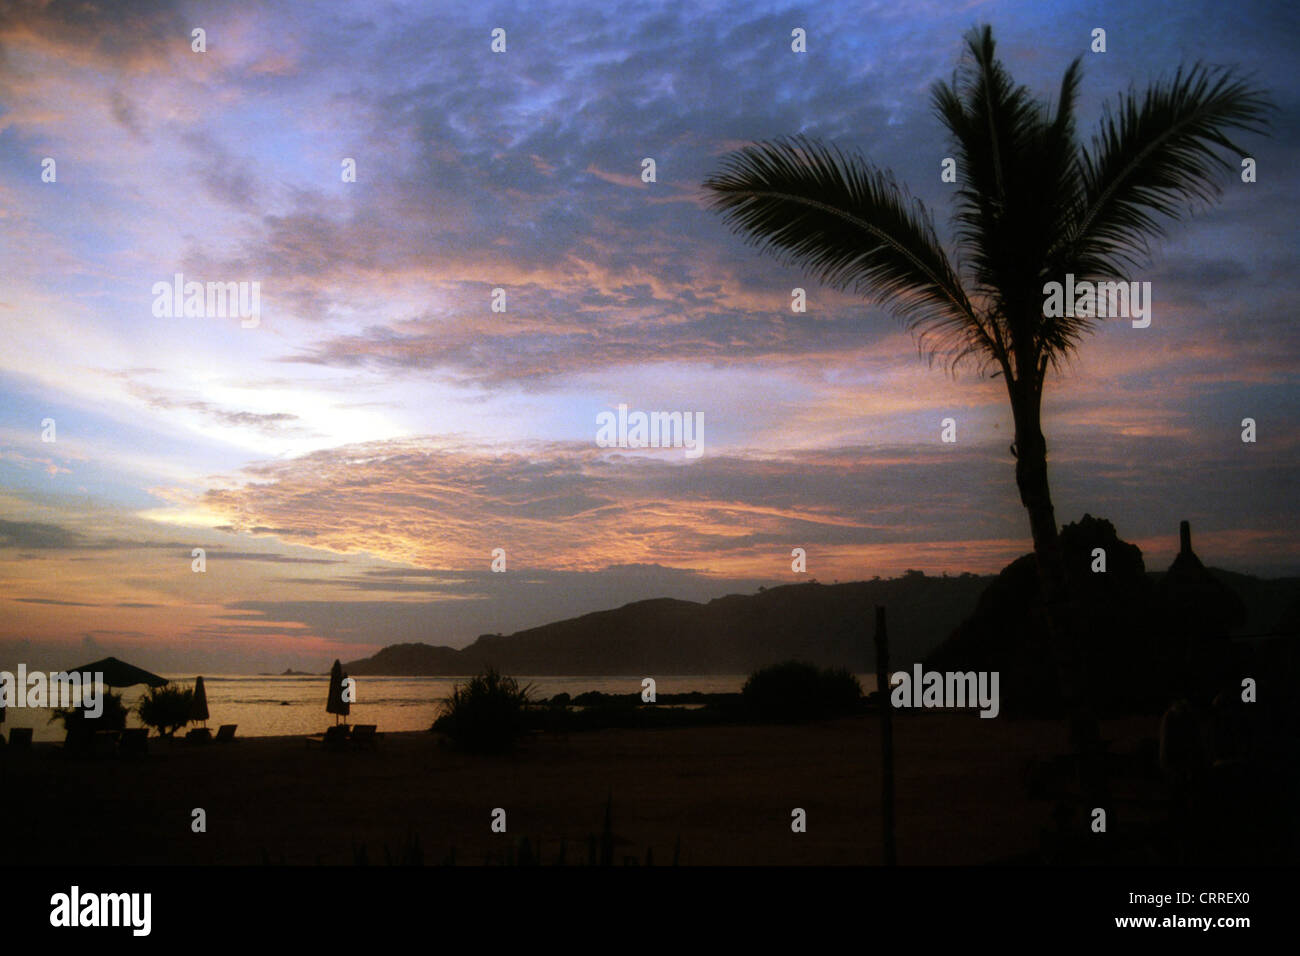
1033,205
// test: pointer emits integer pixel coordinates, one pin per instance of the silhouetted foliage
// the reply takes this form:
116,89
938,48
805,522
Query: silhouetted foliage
485,714
1143,648
75,719
166,708
795,690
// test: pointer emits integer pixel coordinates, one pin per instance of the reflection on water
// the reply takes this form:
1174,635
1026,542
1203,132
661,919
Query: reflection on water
270,706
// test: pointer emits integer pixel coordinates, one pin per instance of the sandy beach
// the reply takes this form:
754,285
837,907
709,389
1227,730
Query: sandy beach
726,791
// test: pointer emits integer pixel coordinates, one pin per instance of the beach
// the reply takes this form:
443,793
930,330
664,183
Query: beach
266,705
726,792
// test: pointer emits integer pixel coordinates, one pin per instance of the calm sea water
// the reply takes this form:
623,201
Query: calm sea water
274,706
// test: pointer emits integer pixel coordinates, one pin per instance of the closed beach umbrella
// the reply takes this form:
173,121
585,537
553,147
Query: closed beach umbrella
199,707
335,704
119,673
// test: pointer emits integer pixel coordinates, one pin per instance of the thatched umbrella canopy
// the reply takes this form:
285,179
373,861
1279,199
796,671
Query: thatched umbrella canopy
119,673
1199,603
1201,612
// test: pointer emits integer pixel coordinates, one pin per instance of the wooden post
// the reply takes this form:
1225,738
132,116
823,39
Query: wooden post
886,739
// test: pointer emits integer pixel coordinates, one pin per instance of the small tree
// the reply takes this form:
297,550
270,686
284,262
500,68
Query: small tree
795,690
166,708
485,714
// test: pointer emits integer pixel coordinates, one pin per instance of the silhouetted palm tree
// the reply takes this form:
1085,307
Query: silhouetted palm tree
1033,205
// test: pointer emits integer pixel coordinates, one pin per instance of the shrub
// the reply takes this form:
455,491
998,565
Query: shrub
486,714
166,708
794,690
74,719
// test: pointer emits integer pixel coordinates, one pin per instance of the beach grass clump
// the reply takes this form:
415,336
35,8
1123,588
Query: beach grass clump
795,690
486,714
166,709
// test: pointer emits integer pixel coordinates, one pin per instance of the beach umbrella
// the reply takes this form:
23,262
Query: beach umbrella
334,703
119,673
199,706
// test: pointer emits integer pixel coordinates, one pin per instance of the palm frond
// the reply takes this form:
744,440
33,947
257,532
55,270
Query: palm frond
854,228
1157,156
1018,192
1031,205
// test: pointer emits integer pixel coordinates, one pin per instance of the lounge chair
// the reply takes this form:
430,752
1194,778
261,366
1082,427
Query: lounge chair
335,738
134,742
20,739
103,743
226,733
78,742
199,735
363,735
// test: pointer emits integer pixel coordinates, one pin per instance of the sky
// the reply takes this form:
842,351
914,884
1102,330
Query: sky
349,462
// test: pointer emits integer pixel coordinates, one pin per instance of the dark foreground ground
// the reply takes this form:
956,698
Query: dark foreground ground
712,795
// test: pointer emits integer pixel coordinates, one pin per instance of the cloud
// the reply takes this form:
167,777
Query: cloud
521,172
36,535
618,179
269,422
267,557
27,600
567,507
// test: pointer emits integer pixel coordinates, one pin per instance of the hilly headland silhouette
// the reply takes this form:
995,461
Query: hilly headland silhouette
1149,634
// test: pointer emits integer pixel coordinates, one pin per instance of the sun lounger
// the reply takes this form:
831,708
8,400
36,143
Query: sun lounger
226,733
134,742
78,742
20,739
363,735
103,743
335,738
199,735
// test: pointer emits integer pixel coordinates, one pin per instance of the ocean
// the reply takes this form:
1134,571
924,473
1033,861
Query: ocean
265,706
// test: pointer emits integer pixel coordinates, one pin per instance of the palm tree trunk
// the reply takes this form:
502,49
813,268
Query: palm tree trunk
1062,630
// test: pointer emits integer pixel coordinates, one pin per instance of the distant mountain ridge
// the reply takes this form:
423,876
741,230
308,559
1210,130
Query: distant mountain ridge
825,624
